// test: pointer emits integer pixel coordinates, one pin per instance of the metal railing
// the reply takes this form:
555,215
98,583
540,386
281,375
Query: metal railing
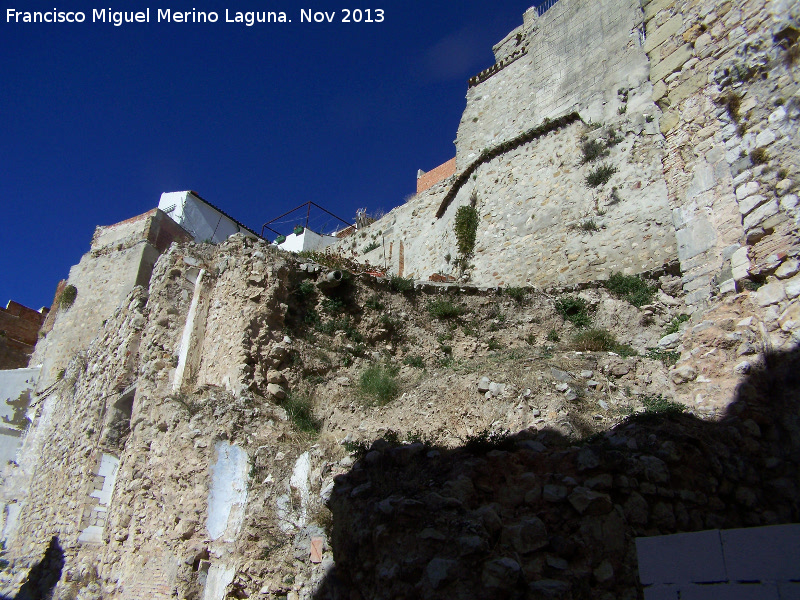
545,6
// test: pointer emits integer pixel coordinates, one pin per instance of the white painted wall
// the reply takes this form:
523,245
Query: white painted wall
93,533
199,218
16,385
308,240
218,579
228,493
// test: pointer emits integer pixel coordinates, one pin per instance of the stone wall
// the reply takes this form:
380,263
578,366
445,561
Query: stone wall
572,61
537,517
127,514
540,222
723,75
121,257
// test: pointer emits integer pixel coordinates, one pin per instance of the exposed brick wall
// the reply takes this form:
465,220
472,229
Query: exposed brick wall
20,322
436,175
19,331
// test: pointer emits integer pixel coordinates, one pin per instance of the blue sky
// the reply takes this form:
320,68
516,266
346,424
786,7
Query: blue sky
96,121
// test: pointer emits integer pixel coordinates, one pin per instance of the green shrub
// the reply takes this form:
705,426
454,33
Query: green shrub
486,441
305,289
333,305
374,302
516,293
469,330
612,137
667,357
600,175
379,385
414,361
592,150
552,335
68,296
589,226
631,288
466,229
675,325
401,284
759,156
732,102
358,449
444,309
371,246
344,324
598,340
574,310
494,344
657,408
299,409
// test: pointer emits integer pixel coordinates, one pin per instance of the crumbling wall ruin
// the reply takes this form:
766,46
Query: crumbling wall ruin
170,459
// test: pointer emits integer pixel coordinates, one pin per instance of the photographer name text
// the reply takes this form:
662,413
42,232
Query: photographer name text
168,15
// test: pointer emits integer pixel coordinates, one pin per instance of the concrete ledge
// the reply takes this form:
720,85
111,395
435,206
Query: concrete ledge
681,558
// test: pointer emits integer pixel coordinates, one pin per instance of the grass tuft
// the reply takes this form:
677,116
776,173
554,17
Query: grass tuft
600,175
401,284
599,340
574,310
300,412
516,293
444,309
631,288
379,384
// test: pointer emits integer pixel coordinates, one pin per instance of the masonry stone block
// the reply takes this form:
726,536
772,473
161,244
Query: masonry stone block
663,33
762,553
669,120
746,205
670,63
765,138
659,89
702,180
655,7
747,189
771,293
681,558
792,286
761,214
740,263
687,88
697,236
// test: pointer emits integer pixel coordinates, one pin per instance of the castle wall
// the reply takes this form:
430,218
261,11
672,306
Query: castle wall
103,443
734,218
121,257
540,223
572,60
